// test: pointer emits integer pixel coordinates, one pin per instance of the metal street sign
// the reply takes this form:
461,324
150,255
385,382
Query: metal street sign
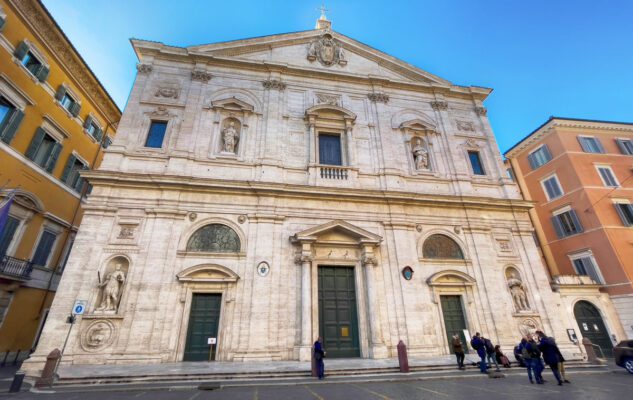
79,307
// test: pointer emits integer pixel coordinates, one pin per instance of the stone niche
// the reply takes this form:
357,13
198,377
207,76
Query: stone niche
111,282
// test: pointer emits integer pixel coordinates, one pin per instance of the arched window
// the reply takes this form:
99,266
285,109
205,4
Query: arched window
441,246
215,238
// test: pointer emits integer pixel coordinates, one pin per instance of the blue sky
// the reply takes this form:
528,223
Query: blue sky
569,58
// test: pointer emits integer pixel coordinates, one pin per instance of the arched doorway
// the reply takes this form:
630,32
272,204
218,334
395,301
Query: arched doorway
592,327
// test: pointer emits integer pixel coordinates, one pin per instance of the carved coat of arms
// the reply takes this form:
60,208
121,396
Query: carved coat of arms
327,51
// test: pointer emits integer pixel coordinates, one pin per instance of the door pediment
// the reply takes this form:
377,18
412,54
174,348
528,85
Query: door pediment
450,278
210,273
337,232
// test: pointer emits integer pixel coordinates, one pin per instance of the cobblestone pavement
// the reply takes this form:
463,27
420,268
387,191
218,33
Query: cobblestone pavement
613,384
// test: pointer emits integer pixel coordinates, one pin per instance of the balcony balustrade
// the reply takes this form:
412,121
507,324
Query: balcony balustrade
15,268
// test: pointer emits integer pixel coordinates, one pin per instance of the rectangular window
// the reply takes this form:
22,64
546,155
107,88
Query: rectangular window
590,144
552,187
67,101
625,211
70,176
586,266
32,63
566,224
156,134
608,178
330,150
6,109
10,118
539,157
44,150
7,234
625,145
44,248
510,174
475,162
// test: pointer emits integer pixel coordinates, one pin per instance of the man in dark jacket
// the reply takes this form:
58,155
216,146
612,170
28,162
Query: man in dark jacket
319,354
478,344
550,351
490,352
458,348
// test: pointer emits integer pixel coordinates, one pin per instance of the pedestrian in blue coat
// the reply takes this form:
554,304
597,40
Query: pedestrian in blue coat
319,355
478,344
548,348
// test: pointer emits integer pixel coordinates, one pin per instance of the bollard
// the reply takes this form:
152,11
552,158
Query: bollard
48,373
403,359
591,353
313,363
16,385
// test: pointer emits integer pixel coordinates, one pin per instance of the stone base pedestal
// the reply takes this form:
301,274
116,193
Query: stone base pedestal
304,352
378,351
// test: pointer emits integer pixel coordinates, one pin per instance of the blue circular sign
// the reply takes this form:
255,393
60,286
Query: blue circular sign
79,309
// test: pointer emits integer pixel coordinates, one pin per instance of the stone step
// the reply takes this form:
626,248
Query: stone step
166,378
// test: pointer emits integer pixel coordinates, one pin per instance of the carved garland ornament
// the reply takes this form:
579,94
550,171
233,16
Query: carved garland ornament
200,75
481,111
274,84
327,50
143,68
330,99
439,105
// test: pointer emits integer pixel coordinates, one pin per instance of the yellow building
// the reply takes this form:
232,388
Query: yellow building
55,120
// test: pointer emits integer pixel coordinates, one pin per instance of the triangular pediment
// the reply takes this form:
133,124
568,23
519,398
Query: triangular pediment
339,231
292,49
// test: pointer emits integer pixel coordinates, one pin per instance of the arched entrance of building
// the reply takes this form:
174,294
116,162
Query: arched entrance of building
592,327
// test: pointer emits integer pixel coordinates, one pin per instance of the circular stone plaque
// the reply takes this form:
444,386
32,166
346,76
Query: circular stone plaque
263,268
407,273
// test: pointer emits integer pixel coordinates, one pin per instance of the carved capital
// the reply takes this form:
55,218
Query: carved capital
302,258
274,84
378,97
481,111
143,68
368,259
439,105
200,75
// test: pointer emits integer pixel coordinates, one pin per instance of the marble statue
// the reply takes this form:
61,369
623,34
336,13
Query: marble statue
420,155
230,137
111,290
518,293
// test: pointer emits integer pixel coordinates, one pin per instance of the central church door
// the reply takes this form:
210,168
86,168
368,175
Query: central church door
454,320
204,319
338,320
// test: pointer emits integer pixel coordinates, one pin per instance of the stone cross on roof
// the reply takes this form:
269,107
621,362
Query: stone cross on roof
322,22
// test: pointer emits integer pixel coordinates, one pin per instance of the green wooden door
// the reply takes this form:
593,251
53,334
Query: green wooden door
338,321
454,321
204,319
592,327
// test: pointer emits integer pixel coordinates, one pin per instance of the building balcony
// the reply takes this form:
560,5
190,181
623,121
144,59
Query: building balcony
15,268
333,175
573,280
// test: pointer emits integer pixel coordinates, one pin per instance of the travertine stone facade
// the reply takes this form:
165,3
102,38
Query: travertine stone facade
405,175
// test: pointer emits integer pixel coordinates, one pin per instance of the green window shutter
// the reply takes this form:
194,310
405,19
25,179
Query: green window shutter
87,122
107,142
42,73
68,167
35,143
2,21
74,109
61,91
98,134
52,158
10,126
21,51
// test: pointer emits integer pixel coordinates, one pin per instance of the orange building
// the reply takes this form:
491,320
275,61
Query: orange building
55,120
579,174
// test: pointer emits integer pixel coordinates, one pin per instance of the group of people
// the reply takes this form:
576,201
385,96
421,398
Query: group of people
531,354
488,353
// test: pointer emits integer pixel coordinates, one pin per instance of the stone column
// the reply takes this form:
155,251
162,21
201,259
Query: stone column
305,259
350,145
377,347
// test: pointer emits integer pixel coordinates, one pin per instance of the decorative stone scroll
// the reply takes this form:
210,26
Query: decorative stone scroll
378,97
274,84
517,290
481,111
439,105
200,75
327,51
215,238
143,68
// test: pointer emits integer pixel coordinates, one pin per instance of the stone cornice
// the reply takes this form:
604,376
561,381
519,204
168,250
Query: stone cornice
133,180
50,34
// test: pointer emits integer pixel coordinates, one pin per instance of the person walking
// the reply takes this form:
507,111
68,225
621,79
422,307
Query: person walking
518,356
458,348
478,344
526,355
490,353
548,347
537,363
319,355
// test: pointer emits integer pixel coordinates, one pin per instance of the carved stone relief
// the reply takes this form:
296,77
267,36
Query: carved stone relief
327,51
99,334
378,97
439,105
214,238
143,68
472,143
274,84
126,231
167,92
230,135
517,290
200,75
528,326
330,99
465,126
481,111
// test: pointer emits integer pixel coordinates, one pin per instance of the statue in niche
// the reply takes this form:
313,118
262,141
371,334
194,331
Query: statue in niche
518,292
230,137
111,289
420,154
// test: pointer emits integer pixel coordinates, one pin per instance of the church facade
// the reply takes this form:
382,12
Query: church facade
263,192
